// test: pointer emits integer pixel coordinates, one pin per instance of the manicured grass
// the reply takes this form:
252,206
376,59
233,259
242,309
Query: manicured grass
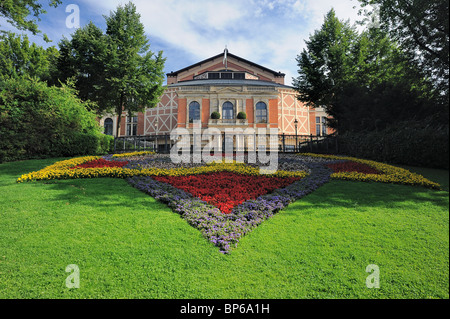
127,245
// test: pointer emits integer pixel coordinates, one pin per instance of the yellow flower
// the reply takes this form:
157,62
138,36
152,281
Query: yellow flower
133,154
391,174
61,170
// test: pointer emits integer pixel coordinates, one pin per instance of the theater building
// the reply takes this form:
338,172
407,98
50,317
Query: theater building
230,86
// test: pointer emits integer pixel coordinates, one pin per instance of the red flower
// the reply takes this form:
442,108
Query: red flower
101,163
225,190
353,167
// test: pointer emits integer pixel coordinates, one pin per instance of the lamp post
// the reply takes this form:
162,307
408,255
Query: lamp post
296,135
156,135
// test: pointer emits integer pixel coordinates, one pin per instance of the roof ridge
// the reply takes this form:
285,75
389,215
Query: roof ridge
275,73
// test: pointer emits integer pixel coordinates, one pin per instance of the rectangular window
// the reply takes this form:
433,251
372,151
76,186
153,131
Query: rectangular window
321,125
318,129
261,116
324,126
132,123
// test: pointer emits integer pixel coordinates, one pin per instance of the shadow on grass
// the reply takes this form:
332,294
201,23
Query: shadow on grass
104,193
110,192
10,172
367,195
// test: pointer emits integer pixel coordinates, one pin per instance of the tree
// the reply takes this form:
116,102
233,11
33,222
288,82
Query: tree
115,69
134,75
364,81
19,13
326,64
83,59
20,58
421,27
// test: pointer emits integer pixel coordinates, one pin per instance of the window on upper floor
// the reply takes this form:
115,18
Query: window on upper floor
194,112
261,112
227,111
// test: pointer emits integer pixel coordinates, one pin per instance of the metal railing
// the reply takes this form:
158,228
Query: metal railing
285,143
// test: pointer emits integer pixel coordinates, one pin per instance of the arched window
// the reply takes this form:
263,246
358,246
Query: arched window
227,111
261,112
108,125
194,112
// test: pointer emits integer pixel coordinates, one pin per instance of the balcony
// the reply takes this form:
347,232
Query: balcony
227,122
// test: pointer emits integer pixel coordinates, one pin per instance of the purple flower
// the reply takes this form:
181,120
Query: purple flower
225,230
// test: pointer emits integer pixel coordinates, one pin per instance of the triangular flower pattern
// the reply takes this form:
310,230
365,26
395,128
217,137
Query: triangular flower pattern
225,190
223,201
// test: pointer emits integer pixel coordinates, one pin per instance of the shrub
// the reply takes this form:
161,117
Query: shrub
215,115
242,116
39,121
408,143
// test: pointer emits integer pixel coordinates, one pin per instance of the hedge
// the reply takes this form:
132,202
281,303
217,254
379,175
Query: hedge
408,143
38,121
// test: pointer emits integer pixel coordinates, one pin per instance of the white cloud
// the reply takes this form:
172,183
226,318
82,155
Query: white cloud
268,32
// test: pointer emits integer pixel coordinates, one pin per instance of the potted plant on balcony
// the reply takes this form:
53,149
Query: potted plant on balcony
215,115
241,116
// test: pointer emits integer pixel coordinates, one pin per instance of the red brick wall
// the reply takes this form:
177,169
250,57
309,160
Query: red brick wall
141,123
182,106
205,112
249,110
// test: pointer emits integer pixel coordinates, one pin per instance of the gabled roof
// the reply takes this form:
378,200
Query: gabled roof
229,83
275,73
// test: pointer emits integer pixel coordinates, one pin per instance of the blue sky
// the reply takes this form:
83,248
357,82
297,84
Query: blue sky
268,32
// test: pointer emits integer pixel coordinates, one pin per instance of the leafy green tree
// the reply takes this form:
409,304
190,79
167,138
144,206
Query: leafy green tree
421,27
326,64
20,13
327,61
82,59
19,57
133,73
364,80
115,69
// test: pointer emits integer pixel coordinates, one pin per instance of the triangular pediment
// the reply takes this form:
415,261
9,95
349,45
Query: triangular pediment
231,63
227,89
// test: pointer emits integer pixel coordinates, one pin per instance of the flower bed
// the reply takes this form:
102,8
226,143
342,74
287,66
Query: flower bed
98,163
64,170
225,190
225,230
389,173
234,197
351,166
133,154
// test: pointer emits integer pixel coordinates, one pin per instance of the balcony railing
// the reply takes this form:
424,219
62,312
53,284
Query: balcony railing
285,143
227,122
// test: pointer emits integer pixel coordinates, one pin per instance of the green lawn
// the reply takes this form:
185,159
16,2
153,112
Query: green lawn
128,245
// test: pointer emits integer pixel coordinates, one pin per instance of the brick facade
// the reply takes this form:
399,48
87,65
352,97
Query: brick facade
243,85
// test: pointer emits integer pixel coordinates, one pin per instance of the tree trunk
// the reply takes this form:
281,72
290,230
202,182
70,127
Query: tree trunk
119,115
